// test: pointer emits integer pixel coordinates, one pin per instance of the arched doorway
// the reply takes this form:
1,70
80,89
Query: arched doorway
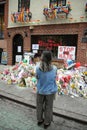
17,48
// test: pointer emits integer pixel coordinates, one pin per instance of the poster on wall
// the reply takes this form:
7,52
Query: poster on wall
4,58
28,56
18,58
66,52
19,49
35,46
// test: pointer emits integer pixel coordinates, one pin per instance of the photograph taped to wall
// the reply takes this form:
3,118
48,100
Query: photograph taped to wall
18,58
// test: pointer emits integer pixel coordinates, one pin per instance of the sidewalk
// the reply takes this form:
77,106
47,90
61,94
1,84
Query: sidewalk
73,108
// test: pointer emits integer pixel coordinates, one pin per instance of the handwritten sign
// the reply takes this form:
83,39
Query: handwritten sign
66,52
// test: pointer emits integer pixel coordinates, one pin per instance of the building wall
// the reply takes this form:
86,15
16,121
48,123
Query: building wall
77,14
67,29
82,47
67,26
52,29
3,42
3,45
26,41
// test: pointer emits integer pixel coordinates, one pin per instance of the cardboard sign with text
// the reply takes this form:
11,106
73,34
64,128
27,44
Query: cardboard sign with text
66,52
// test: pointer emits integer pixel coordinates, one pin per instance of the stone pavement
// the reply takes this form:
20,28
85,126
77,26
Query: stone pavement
65,106
15,116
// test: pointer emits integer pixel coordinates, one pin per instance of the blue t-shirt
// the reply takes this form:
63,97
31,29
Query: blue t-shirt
46,81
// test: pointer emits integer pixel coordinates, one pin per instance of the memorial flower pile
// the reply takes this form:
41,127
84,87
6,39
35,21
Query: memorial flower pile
21,74
70,81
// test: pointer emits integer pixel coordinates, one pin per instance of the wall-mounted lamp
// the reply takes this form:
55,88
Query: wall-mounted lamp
25,33
8,34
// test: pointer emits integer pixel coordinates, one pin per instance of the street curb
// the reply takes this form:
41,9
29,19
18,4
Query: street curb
32,105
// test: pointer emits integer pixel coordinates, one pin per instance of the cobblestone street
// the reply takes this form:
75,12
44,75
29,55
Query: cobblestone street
14,116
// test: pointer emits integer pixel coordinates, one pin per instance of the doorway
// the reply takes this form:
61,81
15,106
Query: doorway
17,49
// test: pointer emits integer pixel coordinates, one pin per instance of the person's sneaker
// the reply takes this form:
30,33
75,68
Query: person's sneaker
40,122
46,126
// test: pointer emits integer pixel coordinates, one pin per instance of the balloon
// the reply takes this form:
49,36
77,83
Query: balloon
78,64
34,79
24,61
69,62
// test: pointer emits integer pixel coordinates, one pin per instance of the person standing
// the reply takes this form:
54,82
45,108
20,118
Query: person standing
46,89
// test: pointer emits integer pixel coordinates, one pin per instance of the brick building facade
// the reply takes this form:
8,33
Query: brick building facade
26,32
48,30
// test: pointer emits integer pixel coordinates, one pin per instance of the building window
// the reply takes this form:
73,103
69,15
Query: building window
51,42
23,5
58,2
1,21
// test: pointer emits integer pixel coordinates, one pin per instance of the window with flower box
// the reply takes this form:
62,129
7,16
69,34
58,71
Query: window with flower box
23,14
57,7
